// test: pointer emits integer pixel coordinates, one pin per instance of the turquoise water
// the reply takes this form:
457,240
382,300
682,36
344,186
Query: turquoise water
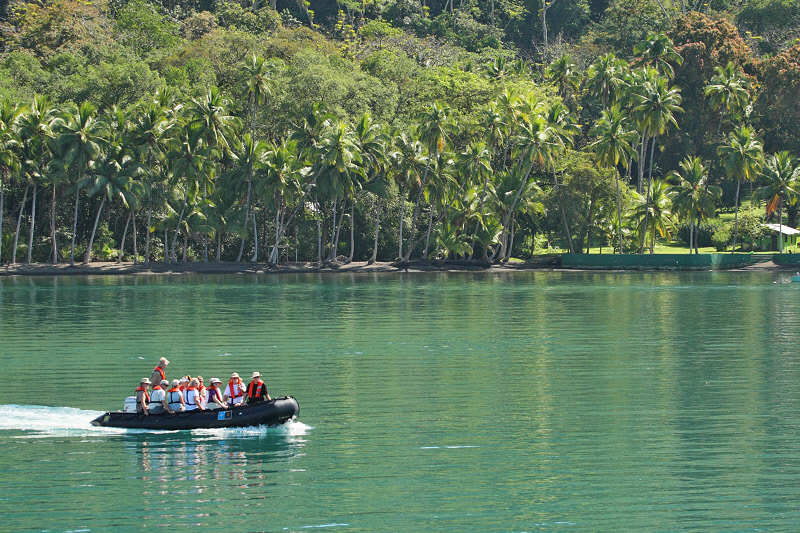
527,401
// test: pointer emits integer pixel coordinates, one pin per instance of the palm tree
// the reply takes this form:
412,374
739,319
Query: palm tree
513,193
34,131
256,75
614,142
564,129
742,158
9,154
210,114
729,93
80,138
564,74
278,183
657,51
688,190
114,178
782,173
434,129
656,216
409,161
604,78
656,106
152,132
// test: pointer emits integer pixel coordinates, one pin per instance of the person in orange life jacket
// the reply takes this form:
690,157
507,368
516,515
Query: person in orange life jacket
175,398
214,400
235,391
202,391
158,400
257,390
184,385
193,401
142,398
158,372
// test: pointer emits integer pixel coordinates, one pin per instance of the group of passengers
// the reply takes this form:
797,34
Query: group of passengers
189,394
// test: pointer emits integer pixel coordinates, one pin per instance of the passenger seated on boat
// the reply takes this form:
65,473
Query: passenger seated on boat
202,391
158,372
158,399
142,398
175,398
193,396
235,391
257,390
185,384
214,400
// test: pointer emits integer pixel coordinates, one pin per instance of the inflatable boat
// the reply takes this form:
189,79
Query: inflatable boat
271,413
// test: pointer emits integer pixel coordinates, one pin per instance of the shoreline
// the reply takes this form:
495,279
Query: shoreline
155,268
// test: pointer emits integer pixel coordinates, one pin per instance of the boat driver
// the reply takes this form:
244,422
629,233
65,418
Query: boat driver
257,390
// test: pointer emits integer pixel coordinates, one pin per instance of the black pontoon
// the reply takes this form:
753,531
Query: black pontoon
271,413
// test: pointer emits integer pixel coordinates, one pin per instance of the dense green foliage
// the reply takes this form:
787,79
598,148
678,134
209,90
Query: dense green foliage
389,129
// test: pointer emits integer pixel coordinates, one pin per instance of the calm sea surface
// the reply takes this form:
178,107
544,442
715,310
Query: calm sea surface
527,401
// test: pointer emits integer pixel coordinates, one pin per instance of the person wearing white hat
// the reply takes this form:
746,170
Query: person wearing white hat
235,391
214,400
158,372
142,398
257,390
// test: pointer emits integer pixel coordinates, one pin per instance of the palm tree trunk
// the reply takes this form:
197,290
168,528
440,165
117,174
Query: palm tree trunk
147,235
691,235
319,230
377,228
124,234
428,236
335,248
511,244
483,197
402,219
180,219
254,259
352,229
273,256
166,247
149,207
2,199
736,215
619,210
135,249
647,196
219,246
416,211
33,222
502,248
52,225
780,222
19,221
87,259
563,214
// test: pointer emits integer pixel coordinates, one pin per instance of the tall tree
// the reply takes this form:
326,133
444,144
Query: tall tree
782,174
742,157
9,154
81,137
688,191
614,142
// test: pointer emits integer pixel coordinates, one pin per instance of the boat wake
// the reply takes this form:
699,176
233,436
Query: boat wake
43,421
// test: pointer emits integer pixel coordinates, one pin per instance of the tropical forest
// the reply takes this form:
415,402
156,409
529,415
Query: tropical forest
394,130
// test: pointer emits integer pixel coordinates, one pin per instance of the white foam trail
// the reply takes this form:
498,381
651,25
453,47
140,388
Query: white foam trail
292,429
46,420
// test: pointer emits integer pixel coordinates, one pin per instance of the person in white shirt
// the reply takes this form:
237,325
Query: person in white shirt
158,399
234,392
193,398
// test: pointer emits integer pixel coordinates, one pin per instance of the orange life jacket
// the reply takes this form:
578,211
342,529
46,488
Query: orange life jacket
253,388
145,396
235,390
173,389
160,371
